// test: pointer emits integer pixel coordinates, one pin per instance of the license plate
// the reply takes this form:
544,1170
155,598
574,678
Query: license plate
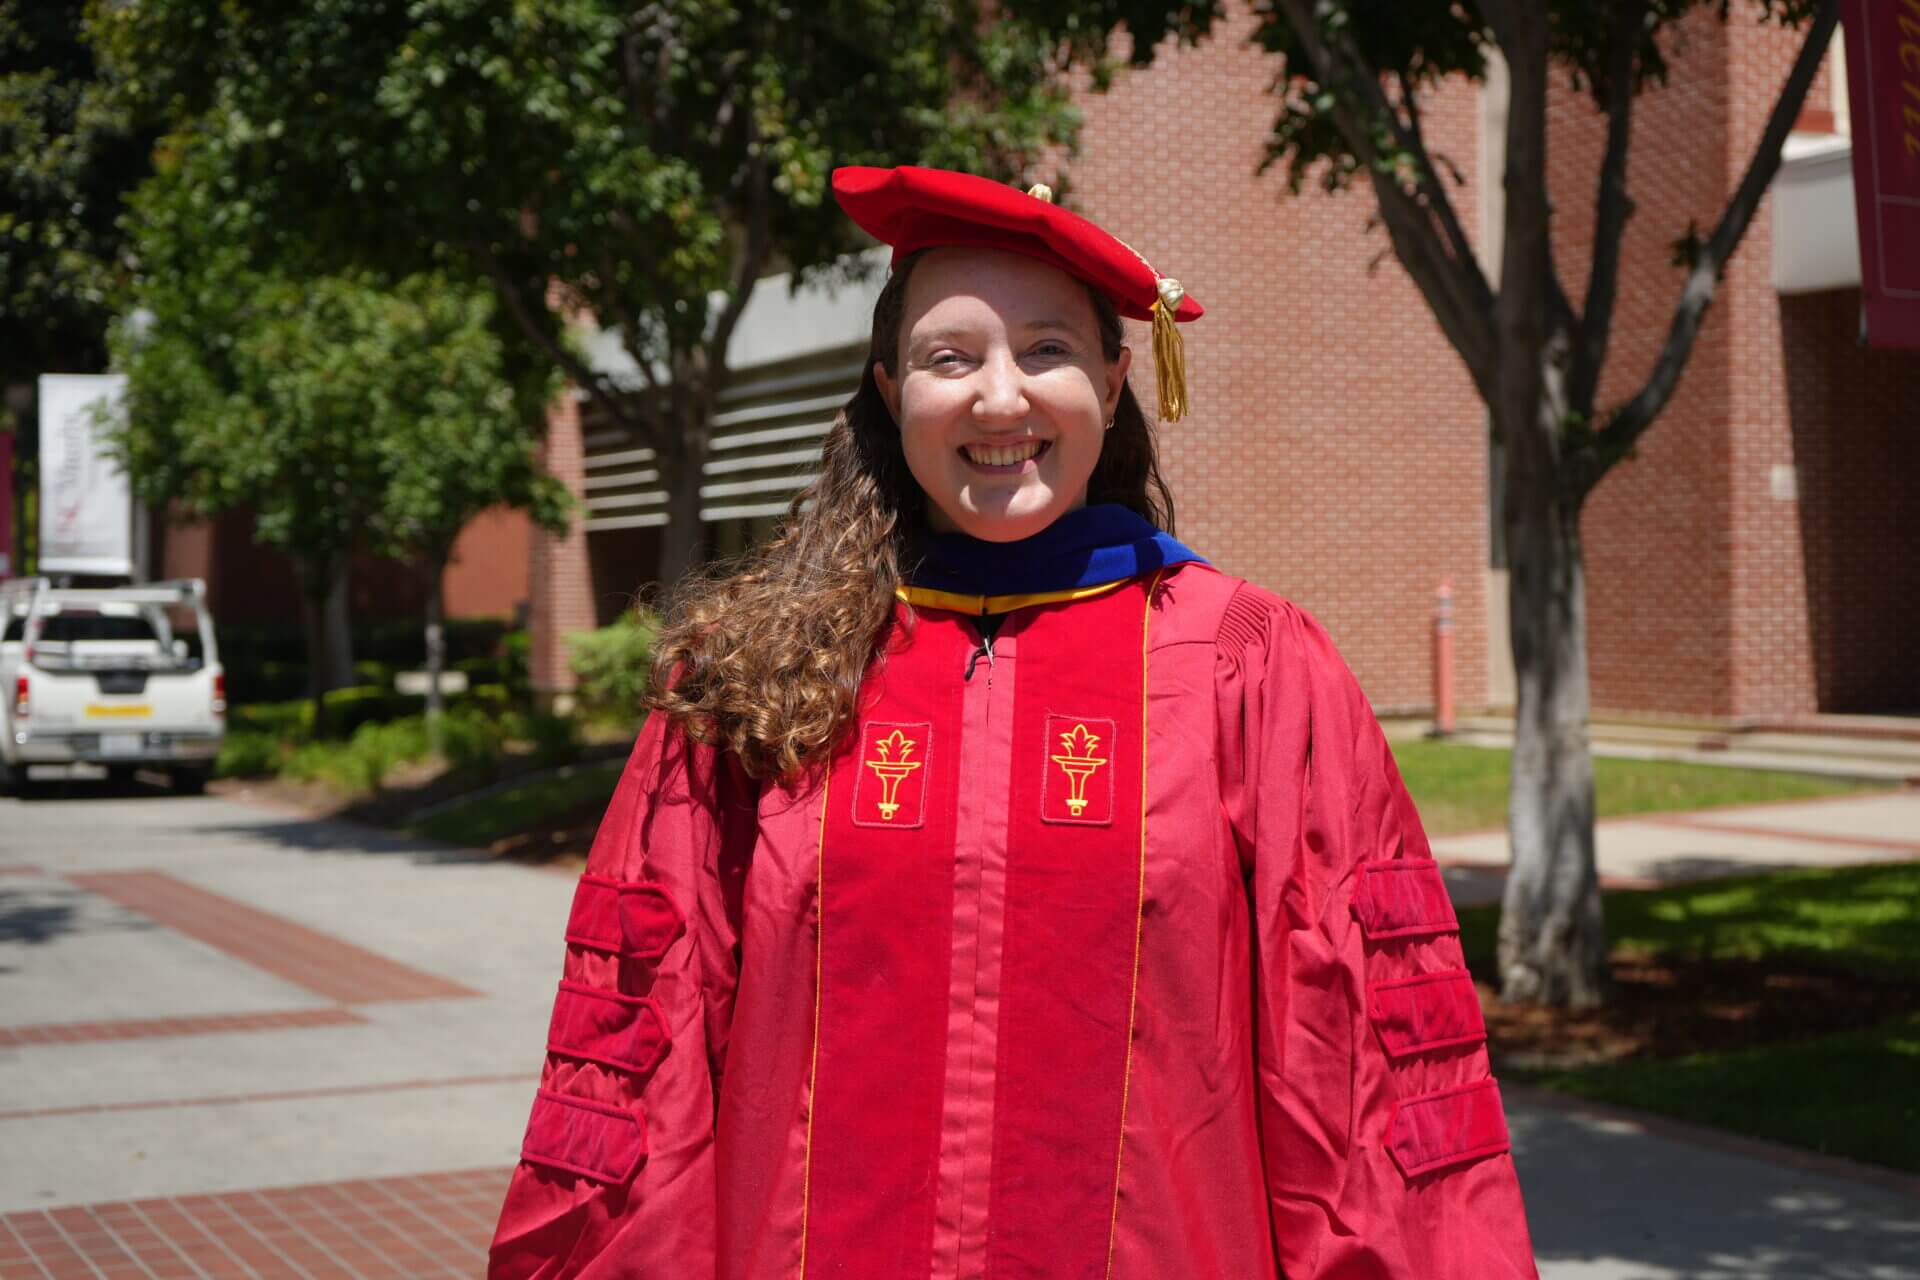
134,710
119,744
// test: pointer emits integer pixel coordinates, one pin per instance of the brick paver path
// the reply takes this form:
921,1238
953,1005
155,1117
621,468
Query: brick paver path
432,1225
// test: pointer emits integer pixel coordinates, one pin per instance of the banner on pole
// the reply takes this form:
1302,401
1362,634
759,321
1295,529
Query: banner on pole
1883,97
86,504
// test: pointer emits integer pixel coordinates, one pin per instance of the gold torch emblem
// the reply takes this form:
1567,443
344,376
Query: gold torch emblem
1079,763
891,767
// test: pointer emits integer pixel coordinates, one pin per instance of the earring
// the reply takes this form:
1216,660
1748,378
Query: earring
1109,425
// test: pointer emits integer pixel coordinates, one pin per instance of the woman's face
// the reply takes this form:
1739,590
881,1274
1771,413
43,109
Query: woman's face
1003,393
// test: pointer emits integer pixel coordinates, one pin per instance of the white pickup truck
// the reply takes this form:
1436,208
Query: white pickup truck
121,677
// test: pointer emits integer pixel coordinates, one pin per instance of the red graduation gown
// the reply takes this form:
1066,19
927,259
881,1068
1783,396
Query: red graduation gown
1120,954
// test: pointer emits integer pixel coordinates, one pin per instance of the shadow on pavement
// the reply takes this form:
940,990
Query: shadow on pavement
1707,866
333,835
1607,1199
37,915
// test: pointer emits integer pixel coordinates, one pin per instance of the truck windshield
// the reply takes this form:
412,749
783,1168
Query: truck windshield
68,628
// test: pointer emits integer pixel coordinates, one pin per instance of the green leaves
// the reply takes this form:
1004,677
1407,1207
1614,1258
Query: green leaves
67,154
342,409
619,149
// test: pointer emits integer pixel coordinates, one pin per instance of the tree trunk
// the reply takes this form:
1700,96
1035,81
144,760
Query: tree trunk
339,650
683,541
315,581
323,588
1552,937
436,651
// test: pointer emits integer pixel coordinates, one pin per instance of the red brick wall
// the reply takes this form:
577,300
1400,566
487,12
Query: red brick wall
488,575
1710,593
559,580
1771,659
1336,450
1657,529
1850,412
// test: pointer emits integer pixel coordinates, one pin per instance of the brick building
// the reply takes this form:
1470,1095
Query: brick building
1751,563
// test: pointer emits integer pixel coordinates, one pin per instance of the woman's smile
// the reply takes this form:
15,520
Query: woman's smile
1005,458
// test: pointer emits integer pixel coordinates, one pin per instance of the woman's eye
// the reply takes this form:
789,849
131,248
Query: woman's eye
1052,350
944,359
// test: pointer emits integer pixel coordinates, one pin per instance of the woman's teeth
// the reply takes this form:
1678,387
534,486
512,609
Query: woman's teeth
1003,455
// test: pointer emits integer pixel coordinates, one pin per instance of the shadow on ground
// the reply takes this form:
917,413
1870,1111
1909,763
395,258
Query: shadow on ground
1606,1199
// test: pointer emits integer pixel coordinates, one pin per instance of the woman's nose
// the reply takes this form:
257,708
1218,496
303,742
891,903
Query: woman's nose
1002,399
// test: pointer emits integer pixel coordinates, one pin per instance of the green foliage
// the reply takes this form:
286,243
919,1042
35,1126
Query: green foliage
248,753
68,154
1848,920
471,742
1829,1094
265,661
360,764
556,739
644,165
417,131
516,662
341,408
485,819
614,663
1847,1095
1412,45
1465,788
1860,920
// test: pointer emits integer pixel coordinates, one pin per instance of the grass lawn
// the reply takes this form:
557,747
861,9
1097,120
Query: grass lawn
480,822
1850,1093
1462,788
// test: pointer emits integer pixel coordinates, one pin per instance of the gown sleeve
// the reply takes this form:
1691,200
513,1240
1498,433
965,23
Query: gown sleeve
1384,1137
616,1173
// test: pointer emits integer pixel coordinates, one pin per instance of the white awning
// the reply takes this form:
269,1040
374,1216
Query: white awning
1816,241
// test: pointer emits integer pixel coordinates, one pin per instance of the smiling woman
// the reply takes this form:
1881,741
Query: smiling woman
1000,890
1008,378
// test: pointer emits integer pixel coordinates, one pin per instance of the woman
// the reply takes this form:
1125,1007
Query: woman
997,889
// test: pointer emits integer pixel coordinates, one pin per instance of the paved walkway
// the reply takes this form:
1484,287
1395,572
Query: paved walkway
1833,831
234,1042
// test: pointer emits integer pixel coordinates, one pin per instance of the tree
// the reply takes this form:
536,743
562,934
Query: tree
456,443
1355,75
343,411
643,163
68,156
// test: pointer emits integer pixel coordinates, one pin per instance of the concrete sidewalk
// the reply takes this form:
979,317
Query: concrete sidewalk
239,1042
1880,826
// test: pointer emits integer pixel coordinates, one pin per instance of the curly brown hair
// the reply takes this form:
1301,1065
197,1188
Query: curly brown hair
765,657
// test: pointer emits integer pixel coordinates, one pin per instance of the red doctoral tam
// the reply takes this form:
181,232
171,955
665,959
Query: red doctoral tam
911,208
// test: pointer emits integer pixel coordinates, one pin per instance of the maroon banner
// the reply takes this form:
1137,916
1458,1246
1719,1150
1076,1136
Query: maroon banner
7,568
1883,91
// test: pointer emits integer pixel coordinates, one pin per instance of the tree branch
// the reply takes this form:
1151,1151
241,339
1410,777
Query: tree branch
590,380
1710,259
1529,315
757,198
1439,203
1612,208
1453,285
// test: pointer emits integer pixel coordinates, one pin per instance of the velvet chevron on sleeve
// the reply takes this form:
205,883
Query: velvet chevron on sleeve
1386,1143
617,1171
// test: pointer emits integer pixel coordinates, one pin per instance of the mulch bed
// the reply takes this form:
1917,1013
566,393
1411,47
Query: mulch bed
1662,1007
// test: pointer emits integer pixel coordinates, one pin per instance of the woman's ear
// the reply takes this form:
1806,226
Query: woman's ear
1116,379
889,390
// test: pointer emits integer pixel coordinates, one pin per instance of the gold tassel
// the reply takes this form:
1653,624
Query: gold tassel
1169,352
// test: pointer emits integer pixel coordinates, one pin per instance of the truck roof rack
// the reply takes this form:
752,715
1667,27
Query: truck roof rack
172,591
